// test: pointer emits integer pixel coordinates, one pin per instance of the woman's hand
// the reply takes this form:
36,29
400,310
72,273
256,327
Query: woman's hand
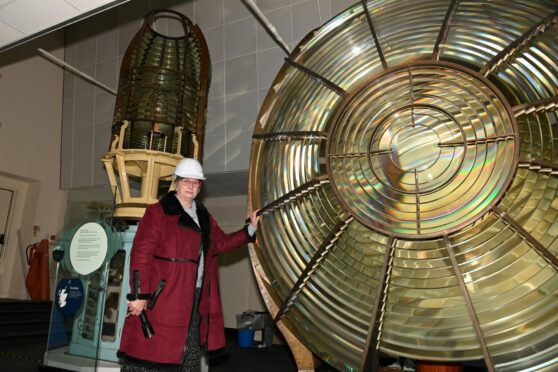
254,218
136,307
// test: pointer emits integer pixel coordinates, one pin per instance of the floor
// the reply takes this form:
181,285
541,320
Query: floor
26,355
21,354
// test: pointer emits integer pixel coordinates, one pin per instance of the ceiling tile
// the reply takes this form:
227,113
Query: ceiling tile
22,20
87,5
30,16
7,33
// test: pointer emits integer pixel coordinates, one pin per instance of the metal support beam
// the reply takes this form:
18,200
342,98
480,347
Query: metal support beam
75,71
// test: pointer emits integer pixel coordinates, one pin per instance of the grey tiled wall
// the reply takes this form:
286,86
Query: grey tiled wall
244,63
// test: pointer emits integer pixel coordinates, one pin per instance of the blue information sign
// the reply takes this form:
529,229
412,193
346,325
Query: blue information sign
69,296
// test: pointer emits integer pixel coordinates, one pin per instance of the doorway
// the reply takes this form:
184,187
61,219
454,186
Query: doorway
6,205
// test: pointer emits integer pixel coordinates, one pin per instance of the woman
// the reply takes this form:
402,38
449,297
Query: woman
176,248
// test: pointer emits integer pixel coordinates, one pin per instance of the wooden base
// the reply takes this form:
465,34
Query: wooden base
425,366
304,358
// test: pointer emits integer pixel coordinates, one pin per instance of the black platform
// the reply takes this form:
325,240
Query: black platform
23,340
26,355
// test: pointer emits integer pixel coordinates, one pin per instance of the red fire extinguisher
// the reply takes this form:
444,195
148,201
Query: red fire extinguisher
37,281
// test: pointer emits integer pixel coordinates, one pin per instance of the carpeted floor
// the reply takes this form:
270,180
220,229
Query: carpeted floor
236,359
26,355
22,354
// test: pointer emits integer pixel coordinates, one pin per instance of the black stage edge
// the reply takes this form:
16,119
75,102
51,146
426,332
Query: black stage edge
232,358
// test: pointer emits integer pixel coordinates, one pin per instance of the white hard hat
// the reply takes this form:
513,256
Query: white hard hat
189,168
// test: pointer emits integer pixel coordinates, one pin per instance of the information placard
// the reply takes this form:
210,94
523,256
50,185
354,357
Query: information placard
88,248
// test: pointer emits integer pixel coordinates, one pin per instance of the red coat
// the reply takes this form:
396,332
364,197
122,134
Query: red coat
167,231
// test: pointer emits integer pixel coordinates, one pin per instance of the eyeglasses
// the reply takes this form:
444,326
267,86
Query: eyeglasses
189,182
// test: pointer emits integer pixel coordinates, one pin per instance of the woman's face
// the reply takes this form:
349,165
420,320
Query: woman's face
187,189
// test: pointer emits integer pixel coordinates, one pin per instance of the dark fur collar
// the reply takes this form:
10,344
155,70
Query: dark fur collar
171,206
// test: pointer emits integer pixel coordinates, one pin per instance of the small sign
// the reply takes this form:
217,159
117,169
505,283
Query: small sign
88,248
69,296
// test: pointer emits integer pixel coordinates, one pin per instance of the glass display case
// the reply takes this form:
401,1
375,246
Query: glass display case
89,307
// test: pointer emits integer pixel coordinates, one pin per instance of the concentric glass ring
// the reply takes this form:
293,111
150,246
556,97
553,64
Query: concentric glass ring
422,150
405,162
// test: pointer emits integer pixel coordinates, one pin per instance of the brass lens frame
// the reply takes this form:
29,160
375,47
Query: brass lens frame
405,162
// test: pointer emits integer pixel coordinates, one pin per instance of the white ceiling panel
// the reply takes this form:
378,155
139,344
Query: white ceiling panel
28,16
85,4
7,32
23,20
